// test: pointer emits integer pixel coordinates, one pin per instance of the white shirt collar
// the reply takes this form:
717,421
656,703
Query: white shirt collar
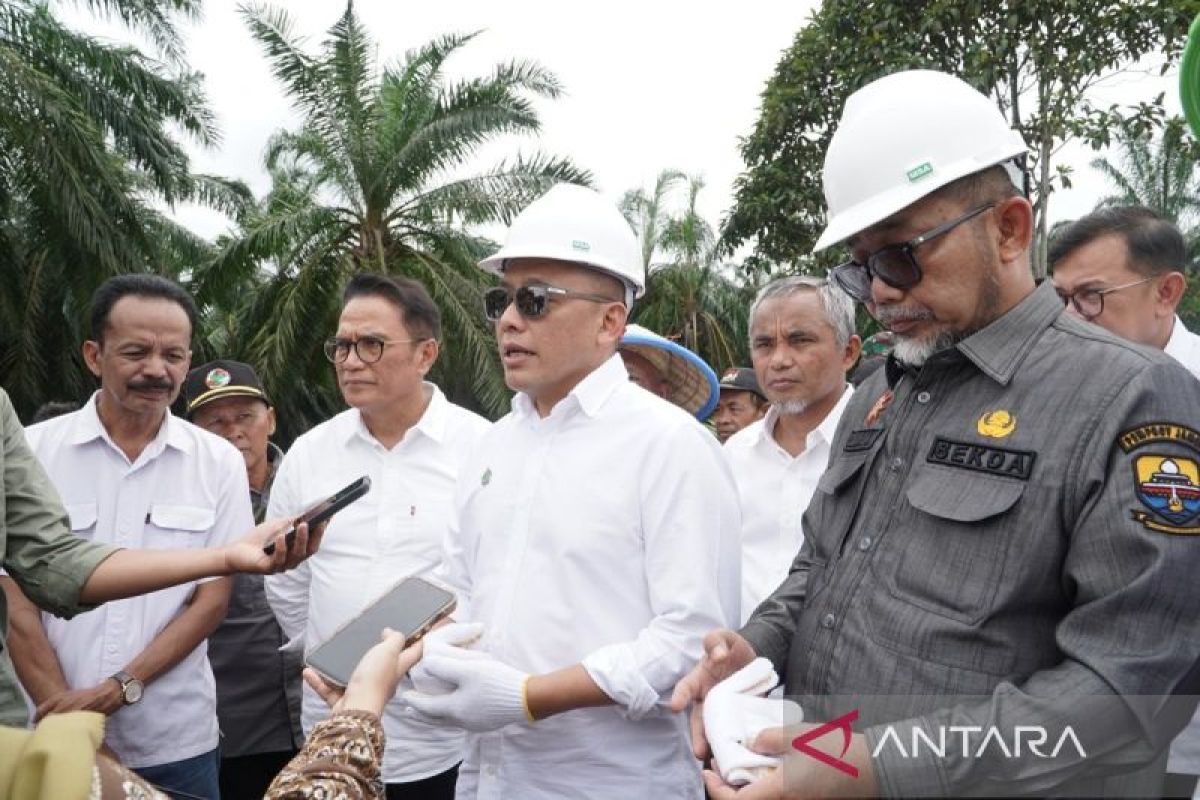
88,427
432,422
822,433
589,395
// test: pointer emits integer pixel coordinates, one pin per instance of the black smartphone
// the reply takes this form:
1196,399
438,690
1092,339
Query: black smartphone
411,607
325,509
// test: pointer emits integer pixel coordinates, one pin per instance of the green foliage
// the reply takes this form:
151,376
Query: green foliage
86,151
1038,58
377,178
691,298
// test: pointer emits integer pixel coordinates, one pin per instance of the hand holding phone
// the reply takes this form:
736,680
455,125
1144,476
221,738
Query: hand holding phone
411,607
325,509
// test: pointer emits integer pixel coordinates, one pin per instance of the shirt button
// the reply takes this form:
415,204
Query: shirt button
897,464
828,620
864,543
491,771
924,397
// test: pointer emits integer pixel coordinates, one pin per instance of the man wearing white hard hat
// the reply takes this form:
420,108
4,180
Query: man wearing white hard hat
596,539
1004,541
669,370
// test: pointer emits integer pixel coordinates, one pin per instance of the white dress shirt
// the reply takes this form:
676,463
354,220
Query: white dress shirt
774,490
396,529
187,489
1184,347
604,533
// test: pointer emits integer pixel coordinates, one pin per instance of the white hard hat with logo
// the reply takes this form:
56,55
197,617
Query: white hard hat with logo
901,138
574,223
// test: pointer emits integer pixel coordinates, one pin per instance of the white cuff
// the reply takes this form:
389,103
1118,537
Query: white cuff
618,675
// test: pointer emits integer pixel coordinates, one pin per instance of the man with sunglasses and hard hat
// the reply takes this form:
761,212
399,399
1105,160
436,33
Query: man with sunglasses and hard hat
402,432
596,537
1004,540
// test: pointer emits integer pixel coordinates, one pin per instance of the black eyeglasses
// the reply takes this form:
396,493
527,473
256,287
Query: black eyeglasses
532,301
369,349
1090,302
896,264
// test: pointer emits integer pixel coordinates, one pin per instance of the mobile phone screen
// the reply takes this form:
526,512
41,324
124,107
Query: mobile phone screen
410,607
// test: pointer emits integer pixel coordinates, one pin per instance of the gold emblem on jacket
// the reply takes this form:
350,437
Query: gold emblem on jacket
996,424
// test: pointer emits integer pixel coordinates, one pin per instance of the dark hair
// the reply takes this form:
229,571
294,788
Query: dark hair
138,285
1155,245
418,312
52,409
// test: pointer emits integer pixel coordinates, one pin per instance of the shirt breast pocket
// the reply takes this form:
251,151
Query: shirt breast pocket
179,526
82,517
949,553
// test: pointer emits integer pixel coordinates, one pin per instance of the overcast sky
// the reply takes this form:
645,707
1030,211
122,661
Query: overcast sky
651,83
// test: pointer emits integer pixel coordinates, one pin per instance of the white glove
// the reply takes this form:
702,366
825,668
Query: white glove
459,634
485,695
734,715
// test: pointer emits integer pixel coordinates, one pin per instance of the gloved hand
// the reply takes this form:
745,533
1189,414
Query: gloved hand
485,695
734,715
461,635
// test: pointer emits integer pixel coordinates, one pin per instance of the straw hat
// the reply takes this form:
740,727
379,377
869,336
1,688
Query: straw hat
692,382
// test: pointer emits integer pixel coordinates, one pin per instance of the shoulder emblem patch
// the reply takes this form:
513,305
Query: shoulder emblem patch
1166,484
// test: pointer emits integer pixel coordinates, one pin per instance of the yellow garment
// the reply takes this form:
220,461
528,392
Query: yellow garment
52,762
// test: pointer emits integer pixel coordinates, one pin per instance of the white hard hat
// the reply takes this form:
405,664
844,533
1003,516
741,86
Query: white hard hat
574,223
902,137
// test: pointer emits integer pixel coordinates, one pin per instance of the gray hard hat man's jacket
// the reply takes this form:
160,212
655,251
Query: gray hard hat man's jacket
1022,525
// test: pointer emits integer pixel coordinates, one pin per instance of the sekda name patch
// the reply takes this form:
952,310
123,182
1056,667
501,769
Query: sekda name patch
993,460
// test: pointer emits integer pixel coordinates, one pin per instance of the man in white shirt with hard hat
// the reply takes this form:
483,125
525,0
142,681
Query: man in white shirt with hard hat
596,538
802,342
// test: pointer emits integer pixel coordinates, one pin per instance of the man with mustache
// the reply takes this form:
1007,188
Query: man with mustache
1006,534
133,475
802,341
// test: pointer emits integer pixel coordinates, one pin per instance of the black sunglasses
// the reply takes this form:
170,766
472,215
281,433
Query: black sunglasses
896,264
532,301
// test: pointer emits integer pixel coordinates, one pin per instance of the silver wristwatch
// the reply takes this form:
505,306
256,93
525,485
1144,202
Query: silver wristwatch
131,687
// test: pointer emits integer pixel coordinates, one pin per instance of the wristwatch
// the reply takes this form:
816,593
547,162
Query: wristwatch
131,687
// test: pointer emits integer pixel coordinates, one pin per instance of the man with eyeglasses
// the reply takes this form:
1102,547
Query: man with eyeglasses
402,432
1122,268
596,537
1006,533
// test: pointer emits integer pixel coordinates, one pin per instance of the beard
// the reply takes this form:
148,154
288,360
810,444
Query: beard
791,408
916,351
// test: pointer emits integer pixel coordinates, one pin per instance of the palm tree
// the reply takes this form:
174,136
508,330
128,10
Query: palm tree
690,297
86,150
1160,175
378,178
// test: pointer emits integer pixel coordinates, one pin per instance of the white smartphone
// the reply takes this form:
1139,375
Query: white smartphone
411,607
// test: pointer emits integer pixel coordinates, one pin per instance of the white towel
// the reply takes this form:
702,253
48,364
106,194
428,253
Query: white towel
734,714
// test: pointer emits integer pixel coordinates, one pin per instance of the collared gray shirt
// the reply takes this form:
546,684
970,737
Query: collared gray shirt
258,687
1020,523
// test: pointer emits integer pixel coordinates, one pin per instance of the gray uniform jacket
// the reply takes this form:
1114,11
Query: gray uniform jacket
1020,525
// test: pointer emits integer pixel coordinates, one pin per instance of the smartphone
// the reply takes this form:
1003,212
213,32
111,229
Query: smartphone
324,510
411,607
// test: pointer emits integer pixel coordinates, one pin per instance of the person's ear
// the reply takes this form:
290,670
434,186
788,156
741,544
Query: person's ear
851,353
427,355
1014,223
91,356
612,324
1169,291
271,419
